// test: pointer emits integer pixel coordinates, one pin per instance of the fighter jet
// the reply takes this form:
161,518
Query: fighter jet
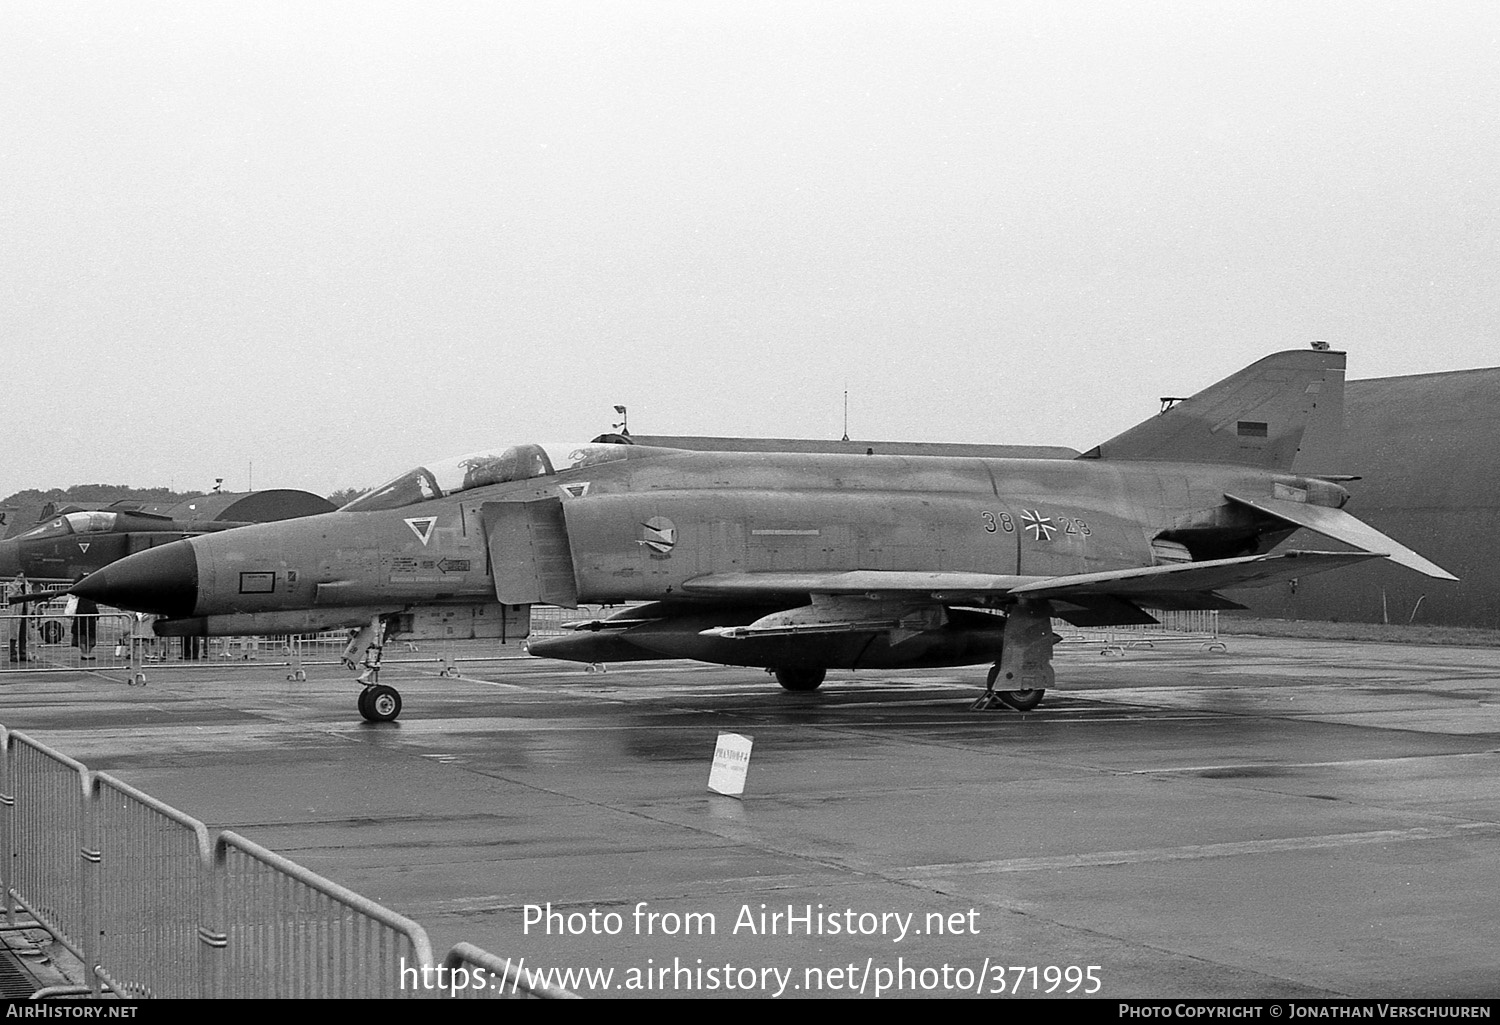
75,540
800,562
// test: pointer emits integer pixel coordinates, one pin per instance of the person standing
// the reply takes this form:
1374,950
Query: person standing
143,640
19,622
85,627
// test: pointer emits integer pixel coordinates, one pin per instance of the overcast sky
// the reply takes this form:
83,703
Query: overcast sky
336,240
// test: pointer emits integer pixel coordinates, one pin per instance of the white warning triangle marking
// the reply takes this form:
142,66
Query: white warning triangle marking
422,527
83,546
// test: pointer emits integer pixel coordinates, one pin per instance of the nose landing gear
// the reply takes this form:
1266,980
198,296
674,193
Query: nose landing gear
377,702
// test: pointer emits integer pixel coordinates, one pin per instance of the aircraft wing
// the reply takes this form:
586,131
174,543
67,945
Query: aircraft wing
1179,579
871,582
1341,526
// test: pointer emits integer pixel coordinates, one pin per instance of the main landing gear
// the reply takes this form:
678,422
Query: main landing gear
377,702
800,679
1025,661
1020,700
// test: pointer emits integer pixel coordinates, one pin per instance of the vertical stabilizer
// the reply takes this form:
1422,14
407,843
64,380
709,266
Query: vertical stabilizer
1288,403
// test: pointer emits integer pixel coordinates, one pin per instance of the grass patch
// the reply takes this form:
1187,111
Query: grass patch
1390,633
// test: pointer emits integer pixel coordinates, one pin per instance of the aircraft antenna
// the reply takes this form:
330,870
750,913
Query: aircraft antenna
846,410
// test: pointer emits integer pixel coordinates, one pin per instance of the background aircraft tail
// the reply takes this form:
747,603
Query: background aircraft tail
1286,407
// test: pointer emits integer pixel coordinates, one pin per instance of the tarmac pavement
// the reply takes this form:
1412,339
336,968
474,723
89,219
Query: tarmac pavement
1285,819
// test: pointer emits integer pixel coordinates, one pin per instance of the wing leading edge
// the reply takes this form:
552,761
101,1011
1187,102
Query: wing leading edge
1173,584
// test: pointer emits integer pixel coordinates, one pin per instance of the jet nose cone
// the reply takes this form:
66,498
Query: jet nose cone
162,581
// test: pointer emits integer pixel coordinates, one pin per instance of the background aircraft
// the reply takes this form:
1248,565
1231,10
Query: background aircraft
800,562
74,540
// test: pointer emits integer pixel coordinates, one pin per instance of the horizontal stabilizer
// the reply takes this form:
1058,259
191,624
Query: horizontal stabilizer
1341,526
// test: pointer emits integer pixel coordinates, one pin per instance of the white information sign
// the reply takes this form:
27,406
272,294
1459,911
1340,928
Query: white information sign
731,764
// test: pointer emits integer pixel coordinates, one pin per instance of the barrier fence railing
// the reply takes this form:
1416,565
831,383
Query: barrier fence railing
53,859
7,823
54,640
136,891
49,639
291,933
475,974
1199,627
152,883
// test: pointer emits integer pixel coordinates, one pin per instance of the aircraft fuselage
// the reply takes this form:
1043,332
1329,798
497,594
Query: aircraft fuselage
645,527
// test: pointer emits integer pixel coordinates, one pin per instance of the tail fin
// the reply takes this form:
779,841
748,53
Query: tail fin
1288,403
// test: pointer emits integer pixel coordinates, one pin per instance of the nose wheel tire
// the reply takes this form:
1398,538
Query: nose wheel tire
379,703
800,679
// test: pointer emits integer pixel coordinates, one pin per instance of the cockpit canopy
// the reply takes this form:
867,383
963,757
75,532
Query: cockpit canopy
481,469
94,522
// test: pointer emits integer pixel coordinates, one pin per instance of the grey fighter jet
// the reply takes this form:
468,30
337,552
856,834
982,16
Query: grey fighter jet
801,562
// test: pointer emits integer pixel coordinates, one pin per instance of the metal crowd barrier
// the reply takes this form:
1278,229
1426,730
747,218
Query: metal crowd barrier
326,649
134,889
153,887
55,641
287,932
502,979
53,858
1199,627
117,641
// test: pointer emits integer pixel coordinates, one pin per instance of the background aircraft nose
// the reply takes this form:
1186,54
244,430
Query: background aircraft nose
162,581
10,559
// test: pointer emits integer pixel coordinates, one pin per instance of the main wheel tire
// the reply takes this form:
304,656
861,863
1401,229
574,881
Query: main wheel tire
1022,700
801,679
380,703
